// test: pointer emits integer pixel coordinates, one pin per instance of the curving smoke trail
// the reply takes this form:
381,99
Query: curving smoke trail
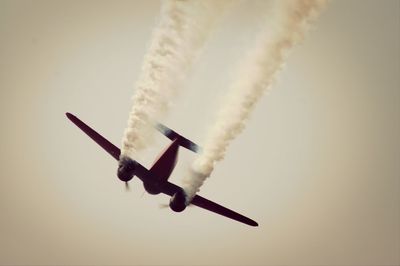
176,42
257,73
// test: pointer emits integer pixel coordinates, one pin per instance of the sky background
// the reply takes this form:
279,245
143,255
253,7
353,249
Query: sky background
318,166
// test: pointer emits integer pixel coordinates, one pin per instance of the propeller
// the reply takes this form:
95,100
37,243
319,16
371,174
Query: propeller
163,205
127,188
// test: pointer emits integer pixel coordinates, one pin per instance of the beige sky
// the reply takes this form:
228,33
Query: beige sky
318,166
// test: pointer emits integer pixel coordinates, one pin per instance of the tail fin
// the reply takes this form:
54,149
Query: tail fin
172,135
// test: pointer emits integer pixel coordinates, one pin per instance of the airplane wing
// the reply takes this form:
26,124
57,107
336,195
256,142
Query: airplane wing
99,139
168,188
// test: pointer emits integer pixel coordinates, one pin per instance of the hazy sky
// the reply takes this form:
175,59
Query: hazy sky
318,166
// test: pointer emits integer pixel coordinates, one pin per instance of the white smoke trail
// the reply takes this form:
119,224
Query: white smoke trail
182,31
255,77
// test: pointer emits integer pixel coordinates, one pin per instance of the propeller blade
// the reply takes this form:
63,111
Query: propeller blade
163,206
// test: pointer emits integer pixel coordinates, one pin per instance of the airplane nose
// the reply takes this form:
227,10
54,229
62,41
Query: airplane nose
126,169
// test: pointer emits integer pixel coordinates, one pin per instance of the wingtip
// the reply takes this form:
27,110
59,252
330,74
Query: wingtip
251,223
69,115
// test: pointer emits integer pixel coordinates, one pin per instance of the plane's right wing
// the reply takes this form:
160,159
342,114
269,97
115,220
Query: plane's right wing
170,189
214,207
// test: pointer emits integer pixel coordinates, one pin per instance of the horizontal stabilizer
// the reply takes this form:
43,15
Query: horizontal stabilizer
172,135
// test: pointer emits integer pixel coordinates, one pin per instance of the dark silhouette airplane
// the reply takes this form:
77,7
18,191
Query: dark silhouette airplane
155,180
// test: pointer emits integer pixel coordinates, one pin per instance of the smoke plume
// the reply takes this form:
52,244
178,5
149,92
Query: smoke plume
256,75
176,42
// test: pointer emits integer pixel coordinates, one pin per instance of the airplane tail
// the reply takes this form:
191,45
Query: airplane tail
172,135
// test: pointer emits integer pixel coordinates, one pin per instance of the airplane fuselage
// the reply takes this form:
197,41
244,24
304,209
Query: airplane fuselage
154,179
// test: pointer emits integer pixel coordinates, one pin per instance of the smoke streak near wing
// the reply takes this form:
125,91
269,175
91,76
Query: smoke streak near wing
256,75
176,42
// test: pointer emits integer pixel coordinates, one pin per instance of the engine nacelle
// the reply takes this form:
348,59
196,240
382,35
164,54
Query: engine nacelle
126,169
177,202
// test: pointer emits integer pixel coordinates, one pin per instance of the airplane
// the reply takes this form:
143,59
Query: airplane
155,179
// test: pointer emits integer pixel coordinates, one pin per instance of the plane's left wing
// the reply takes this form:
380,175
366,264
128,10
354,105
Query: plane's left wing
113,150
